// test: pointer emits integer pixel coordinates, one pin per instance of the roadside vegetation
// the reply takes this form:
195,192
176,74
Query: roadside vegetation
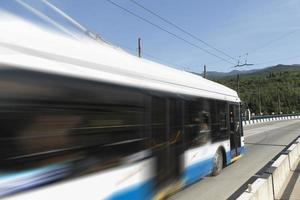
268,91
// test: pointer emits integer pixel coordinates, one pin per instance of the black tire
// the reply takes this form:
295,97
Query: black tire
218,163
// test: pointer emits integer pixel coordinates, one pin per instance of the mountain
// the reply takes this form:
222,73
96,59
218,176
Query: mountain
213,75
270,90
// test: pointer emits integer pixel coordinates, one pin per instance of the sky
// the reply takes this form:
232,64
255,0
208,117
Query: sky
268,30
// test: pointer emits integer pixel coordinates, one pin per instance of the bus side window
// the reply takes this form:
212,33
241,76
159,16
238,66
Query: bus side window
158,121
220,122
197,123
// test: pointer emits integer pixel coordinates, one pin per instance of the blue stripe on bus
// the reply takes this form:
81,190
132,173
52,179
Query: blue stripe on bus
20,181
140,191
197,171
241,150
228,157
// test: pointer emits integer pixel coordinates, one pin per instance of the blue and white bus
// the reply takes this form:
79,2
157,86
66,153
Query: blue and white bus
84,120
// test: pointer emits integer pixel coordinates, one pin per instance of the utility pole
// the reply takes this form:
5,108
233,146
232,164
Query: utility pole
139,48
278,101
238,83
204,71
238,78
259,100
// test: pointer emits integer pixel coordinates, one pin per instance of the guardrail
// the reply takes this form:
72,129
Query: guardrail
269,118
268,182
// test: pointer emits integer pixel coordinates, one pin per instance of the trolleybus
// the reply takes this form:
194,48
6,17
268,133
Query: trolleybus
83,120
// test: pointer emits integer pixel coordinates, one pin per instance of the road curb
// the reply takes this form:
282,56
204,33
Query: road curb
269,119
268,182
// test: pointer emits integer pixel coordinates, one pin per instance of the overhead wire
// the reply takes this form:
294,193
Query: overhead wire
165,30
279,59
271,42
45,17
152,57
71,20
182,30
77,25
274,40
49,20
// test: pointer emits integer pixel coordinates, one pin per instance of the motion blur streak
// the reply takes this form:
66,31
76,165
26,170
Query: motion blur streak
81,119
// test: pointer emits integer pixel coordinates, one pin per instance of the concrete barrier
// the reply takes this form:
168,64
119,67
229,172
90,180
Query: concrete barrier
280,171
298,145
271,180
261,188
246,196
256,121
297,142
293,156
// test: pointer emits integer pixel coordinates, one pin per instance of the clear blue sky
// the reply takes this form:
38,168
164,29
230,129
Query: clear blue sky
234,26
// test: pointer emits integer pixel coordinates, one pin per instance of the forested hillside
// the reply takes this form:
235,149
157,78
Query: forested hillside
275,89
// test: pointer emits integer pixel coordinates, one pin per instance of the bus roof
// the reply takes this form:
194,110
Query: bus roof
27,46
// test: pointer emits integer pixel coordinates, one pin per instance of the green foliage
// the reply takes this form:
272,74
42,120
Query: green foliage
276,92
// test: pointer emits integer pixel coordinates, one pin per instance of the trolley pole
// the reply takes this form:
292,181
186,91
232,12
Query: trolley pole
139,48
204,71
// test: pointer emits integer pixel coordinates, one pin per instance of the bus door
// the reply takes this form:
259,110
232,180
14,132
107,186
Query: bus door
168,153
235,131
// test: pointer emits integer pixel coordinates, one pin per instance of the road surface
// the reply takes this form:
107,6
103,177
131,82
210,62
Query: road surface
263,142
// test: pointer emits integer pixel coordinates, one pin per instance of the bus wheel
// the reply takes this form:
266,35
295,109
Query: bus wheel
218,163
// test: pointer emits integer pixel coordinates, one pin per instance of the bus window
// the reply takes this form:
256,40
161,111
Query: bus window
158,121
197,122
219,131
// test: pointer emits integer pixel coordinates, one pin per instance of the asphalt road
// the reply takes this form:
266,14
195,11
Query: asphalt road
263,142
